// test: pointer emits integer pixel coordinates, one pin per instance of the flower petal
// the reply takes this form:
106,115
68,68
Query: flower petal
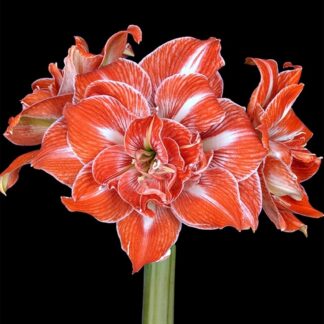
211,203
217,84
10,175
289,77
56,157
281,152
268,83
292,223
103,122
269,205
111,163
302,207
78,61
251,198
305,170
146,239
279,118
128,187
183,55
189,100
116,44
176,131
36,96
133,100
91,198
145,134
280,180
289,130
235,143
281,217
140,192
121,70
29,126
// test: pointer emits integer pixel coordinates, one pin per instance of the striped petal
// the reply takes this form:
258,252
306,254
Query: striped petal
289,77
189,100
183,55
264,92
139,191
217,84
56,156
211,203
146,239
281,217
133,100
251,198
292,223
235,143
94,124
289,130
117,43
269,205
36,96
301,207
10,175
281,152
99,201
280,180
280,120
121,70
111,163
29,126
305,170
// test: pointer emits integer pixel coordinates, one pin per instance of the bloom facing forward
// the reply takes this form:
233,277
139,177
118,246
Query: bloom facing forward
288,162
151,146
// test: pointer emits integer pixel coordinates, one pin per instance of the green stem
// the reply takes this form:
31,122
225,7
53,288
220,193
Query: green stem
158,295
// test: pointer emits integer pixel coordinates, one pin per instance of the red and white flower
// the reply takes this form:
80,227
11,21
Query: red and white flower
288,162
151,146
45,104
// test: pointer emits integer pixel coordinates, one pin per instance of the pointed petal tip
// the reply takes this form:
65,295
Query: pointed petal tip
3,189
136,32
303,229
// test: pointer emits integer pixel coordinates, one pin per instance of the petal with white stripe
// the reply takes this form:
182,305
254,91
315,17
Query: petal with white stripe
183,55
251,198
280,180
132,99
188,99
147,239
212,203
235,143
94,124
91,198
56,156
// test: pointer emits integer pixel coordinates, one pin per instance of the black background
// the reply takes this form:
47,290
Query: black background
60,267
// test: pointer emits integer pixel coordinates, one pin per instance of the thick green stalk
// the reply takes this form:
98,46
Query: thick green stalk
158,295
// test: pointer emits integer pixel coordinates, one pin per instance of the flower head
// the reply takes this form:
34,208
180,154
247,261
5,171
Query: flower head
42,107
152,146
45,104
288,162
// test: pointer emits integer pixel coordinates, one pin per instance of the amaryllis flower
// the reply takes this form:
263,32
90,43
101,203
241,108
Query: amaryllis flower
151,146
288,162
50,95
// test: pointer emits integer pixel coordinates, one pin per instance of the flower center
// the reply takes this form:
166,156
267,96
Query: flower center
144,159
147,163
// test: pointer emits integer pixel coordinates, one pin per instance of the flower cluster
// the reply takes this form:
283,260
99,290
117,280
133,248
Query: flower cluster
154,145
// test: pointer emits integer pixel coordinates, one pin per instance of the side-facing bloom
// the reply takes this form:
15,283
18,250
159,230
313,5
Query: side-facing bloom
288,162
45,104
151,146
